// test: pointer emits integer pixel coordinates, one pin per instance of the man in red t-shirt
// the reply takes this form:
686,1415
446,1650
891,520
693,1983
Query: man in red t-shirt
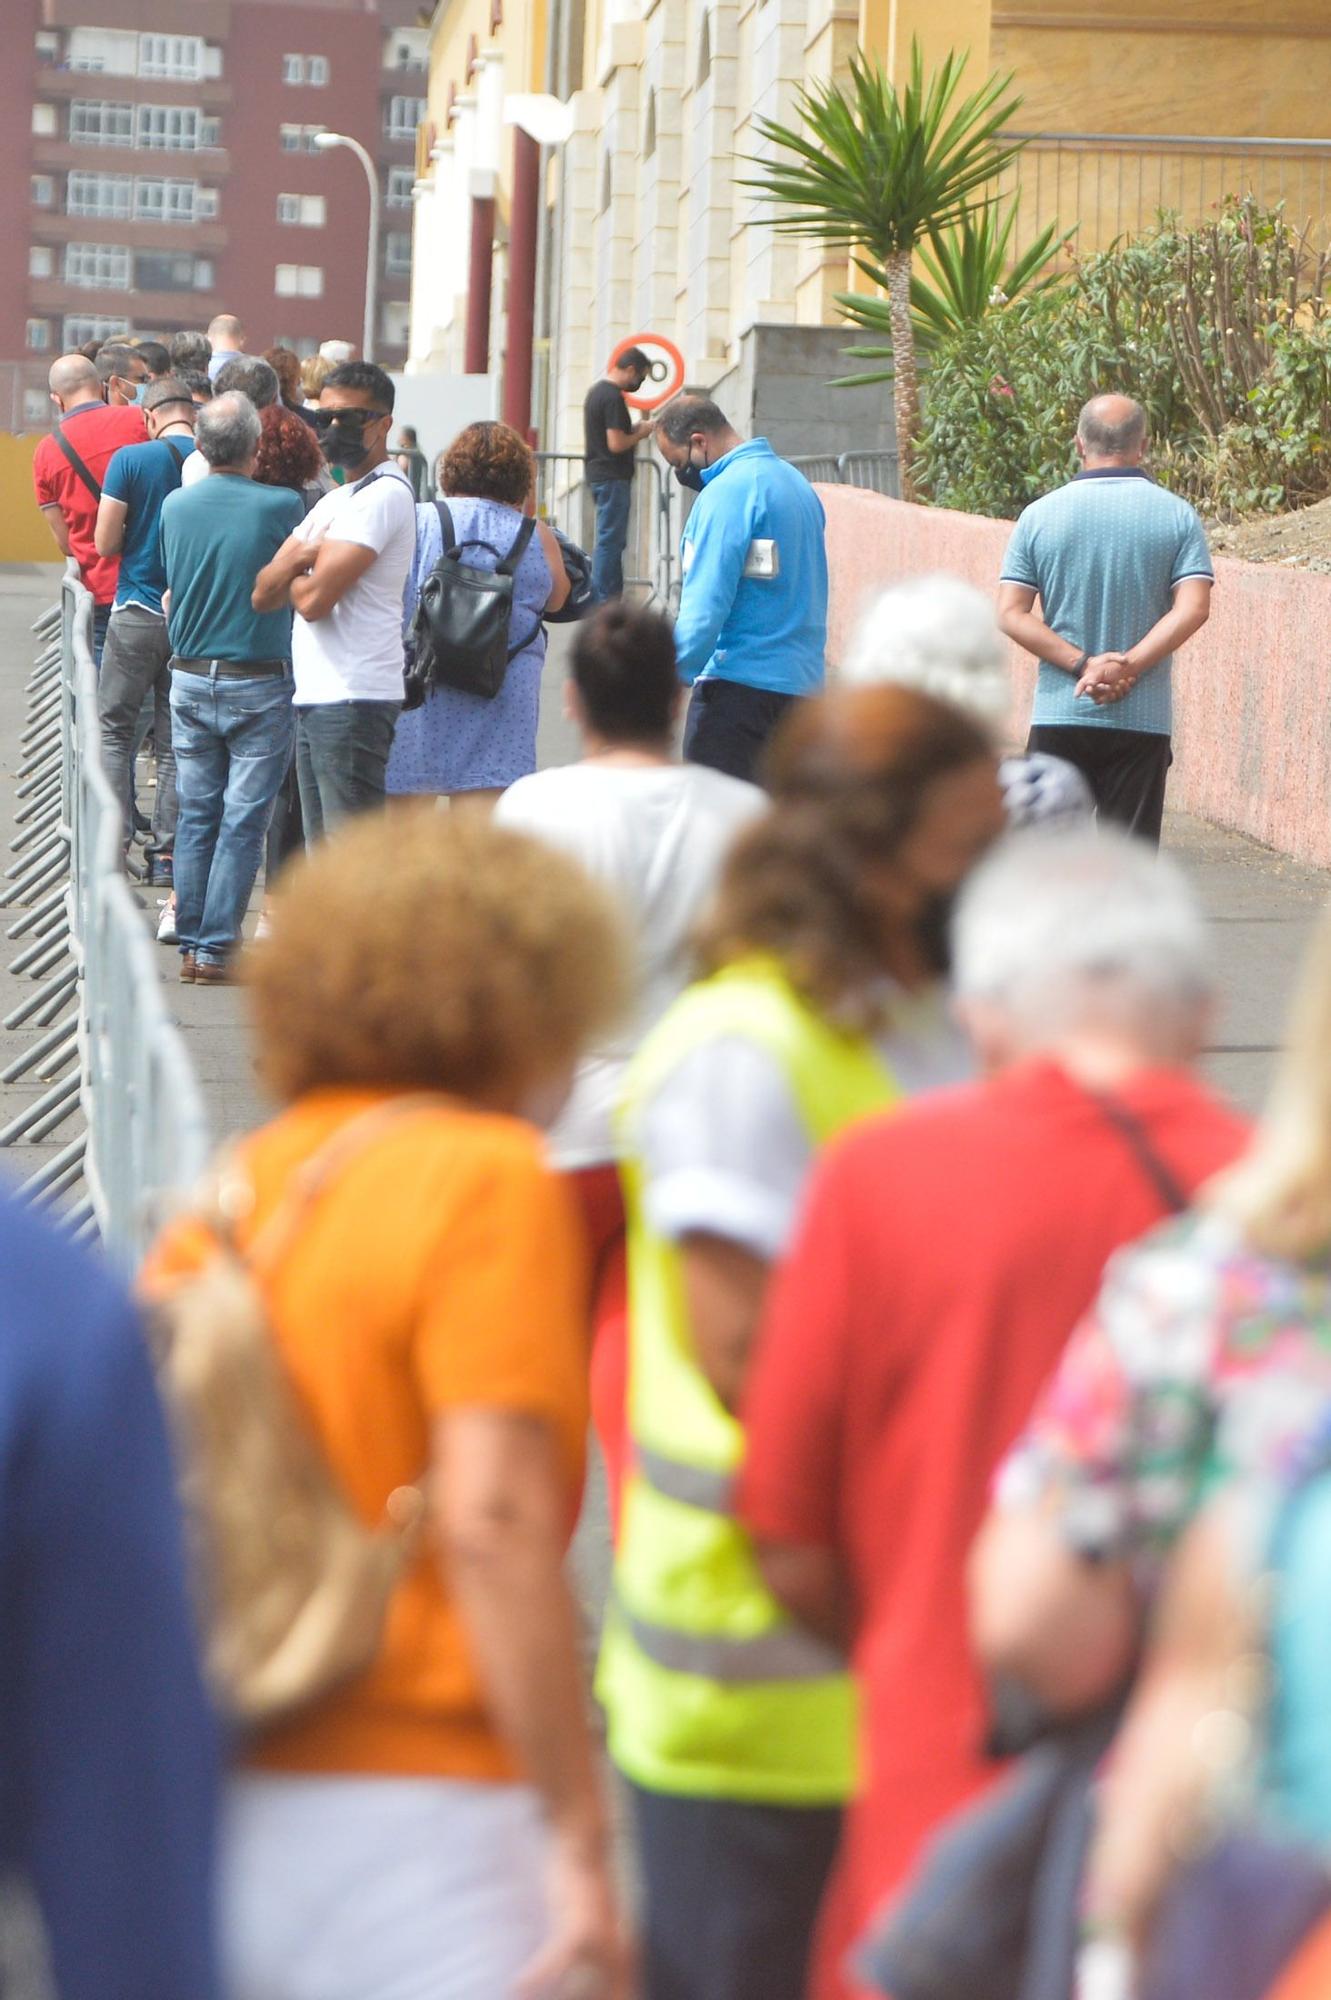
68,494
946,1254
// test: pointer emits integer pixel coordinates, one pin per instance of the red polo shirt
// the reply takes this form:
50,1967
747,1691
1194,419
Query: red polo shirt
946,1253
96,431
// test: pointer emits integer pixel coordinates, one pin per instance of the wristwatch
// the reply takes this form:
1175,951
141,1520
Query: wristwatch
1080,666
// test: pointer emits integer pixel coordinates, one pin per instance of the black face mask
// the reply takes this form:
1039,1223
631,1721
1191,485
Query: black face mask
933,929
346,446
690,477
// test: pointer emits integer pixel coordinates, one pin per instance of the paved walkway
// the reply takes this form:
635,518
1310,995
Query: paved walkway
1262,905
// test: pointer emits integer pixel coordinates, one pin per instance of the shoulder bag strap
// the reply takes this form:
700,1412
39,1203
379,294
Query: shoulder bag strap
1173,1195
519,548
446,528
79,467
179,456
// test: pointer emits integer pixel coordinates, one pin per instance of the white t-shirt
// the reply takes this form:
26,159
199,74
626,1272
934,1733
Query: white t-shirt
355,653
195,468
656,836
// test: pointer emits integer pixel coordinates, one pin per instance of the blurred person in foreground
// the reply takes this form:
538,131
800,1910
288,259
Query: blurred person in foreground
435,1826
231,683
108,1749
819,1003
940,634
459,745
656,831
899,1359
1204,1358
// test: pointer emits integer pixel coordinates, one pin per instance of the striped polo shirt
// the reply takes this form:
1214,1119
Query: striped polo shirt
1105,553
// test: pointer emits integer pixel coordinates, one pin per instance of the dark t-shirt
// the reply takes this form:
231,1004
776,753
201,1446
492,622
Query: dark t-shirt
605,410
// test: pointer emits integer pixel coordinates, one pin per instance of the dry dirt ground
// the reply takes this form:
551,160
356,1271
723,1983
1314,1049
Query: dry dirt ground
1293,541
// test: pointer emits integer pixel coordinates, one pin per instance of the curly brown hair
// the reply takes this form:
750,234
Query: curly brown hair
850,775
285,364
436,951
488,462
288,452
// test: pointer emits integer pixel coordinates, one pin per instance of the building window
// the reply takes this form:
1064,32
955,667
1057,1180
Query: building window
398,253
169,128
172,271
42,190
309,210
299,138
178,58
207,202
165,201
79,327
100,194
396,322
404,114
317,71
299,281
47,44
93,122
103,51
43,121
41,261
293,69
36,408
102,267
304,344
306,69
401,180
38,336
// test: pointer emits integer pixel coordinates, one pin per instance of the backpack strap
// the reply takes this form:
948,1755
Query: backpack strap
1174,1197
80,468
521,542
179,456
446,528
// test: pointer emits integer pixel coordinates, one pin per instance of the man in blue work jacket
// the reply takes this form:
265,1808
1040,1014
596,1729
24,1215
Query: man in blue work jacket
752,629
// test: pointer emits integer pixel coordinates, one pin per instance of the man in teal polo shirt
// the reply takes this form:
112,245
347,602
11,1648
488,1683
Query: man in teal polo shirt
1123,574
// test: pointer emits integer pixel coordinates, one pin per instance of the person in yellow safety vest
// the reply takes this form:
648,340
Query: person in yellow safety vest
822,1001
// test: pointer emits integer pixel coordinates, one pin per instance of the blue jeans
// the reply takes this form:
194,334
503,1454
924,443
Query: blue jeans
612,497
341,760
232,741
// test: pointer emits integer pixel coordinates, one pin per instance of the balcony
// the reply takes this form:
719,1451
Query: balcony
53,295
55,85
58,155
209,18
50,227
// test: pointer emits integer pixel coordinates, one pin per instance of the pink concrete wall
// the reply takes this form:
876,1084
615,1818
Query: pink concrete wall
1252,696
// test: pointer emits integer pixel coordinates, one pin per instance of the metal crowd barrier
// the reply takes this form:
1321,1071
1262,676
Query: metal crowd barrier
877,471
115,1056
564,498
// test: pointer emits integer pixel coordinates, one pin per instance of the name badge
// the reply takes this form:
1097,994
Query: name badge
763,560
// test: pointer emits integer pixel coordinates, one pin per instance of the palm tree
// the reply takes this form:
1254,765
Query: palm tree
871,169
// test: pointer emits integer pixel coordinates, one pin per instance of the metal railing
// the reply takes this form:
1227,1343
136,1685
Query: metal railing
876,471
1112,184
146,1131
564,498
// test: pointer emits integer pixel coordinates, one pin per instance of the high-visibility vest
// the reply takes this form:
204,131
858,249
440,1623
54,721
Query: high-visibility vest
710,1689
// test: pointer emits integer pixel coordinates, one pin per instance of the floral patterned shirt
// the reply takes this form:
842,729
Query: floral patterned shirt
1199,1361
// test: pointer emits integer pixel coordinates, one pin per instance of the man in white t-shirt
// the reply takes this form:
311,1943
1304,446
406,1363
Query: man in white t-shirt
343,572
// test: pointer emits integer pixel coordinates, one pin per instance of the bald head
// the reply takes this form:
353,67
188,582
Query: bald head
227,334
74,380
1112,430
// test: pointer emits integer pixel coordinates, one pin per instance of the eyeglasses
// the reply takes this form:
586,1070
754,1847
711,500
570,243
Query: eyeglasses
324,420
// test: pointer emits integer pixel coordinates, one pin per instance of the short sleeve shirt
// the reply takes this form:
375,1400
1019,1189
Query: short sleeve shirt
1106,553
355,653
141,476
96,431
215,538
605,410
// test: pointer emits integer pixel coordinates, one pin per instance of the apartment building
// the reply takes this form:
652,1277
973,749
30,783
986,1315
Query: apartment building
167,149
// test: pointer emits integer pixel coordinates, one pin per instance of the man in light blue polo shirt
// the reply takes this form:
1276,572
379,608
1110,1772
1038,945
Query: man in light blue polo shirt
1123,574
751,635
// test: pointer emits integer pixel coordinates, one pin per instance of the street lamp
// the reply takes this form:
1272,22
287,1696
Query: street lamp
325,141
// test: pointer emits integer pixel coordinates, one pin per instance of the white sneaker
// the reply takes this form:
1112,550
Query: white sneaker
264,927
166,923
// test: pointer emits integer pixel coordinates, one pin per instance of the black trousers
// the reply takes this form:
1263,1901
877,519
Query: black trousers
1125,769
729,724
732,1894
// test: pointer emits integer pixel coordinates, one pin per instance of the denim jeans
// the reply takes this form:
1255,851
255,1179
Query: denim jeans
135,663
612,497
341,757
233,742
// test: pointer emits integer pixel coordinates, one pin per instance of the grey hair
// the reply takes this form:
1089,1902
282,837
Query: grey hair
1107,440
1086,928
228,430
686,414
189,351
252,377
937,634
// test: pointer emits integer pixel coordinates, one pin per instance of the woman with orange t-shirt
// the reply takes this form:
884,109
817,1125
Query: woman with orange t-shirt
434,1829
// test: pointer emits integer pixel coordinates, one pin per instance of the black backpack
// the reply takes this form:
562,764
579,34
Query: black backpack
460,634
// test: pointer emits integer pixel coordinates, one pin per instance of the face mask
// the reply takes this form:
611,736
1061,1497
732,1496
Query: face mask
345,447
690,476
933,929
140,390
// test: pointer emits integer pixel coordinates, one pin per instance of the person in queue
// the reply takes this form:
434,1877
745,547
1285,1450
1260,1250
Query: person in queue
248,375
656,831
344,571
189,353
67,471
437,1825
226,340
123,372
892,1374
751,635
459,745
733,1728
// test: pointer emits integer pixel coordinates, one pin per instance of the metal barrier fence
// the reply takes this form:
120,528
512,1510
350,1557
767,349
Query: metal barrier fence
124,1064
877,471
564,498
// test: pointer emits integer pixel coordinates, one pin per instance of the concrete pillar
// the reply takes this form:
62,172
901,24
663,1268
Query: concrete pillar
524,219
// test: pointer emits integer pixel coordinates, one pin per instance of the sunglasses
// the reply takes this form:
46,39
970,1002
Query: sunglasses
353,419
